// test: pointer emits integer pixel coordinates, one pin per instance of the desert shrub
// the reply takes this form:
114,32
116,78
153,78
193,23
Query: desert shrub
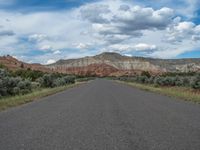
24,91
132,79
3,73
47,80
69,79
52,80
1,83
146,73
142,79
151,80
28,74
196,82
168,81
124,78
127,79
171,79
181,74
57,75
8,86
19,82
26,84
39,81
35,85
59,82
3,90
186,81
178,81
21,85
10,83
158,80
16,90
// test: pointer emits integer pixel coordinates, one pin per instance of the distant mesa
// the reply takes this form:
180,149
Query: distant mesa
114,64
108,64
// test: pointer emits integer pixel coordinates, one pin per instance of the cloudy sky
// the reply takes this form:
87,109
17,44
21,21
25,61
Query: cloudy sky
47,30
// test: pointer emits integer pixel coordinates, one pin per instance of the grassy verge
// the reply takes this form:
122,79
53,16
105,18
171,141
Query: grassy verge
22,99
184,93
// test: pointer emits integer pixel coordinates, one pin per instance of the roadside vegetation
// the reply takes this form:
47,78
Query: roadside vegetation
16,100
22,86
181,85
25,81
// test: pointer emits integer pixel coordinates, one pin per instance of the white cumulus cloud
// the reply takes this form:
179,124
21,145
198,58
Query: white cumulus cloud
183,31
137,47
50,61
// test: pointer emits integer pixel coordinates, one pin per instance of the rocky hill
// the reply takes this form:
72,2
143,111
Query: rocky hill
108,64
114,64
13,64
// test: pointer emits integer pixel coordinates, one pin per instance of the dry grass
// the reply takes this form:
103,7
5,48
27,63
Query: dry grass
184,93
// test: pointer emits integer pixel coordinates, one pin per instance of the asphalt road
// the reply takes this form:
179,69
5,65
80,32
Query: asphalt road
102,115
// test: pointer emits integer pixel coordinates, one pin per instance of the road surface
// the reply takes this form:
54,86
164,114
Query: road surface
102,115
